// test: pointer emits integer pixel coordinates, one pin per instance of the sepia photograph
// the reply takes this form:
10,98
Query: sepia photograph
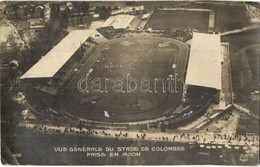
130,82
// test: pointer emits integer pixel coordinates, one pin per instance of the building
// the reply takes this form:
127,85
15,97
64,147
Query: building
49,64
116,12
205,64
118,21
36,23
50,72
145,16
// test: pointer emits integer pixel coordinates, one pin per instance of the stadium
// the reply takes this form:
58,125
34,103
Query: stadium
77,79
137,56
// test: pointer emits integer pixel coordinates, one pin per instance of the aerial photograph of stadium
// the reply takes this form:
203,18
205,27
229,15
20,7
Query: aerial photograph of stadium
130,82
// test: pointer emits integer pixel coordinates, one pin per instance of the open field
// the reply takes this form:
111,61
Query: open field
252,55
253,62
239,61
178,19
228,15
244,67
139,57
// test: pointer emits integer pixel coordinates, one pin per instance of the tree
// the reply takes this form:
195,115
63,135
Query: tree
116,8
109,9
104,13
85,7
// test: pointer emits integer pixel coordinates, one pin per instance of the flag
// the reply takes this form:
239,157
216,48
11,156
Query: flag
106,114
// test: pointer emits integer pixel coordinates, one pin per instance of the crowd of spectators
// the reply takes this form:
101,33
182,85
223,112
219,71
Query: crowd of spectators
201,138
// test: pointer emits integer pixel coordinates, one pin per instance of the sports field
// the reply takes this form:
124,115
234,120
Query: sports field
229,15
179,19
113,66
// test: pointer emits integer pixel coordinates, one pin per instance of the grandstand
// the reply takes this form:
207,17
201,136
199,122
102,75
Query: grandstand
49,64
118,21
205,63
52,70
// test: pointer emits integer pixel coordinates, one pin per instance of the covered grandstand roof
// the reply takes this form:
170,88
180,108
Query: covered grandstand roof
118,21
49,65
204,66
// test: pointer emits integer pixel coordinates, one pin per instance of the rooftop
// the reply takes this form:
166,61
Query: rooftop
49,64
204,66
118,21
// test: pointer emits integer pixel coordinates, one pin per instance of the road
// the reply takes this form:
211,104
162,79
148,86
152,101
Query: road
226,140
236,31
